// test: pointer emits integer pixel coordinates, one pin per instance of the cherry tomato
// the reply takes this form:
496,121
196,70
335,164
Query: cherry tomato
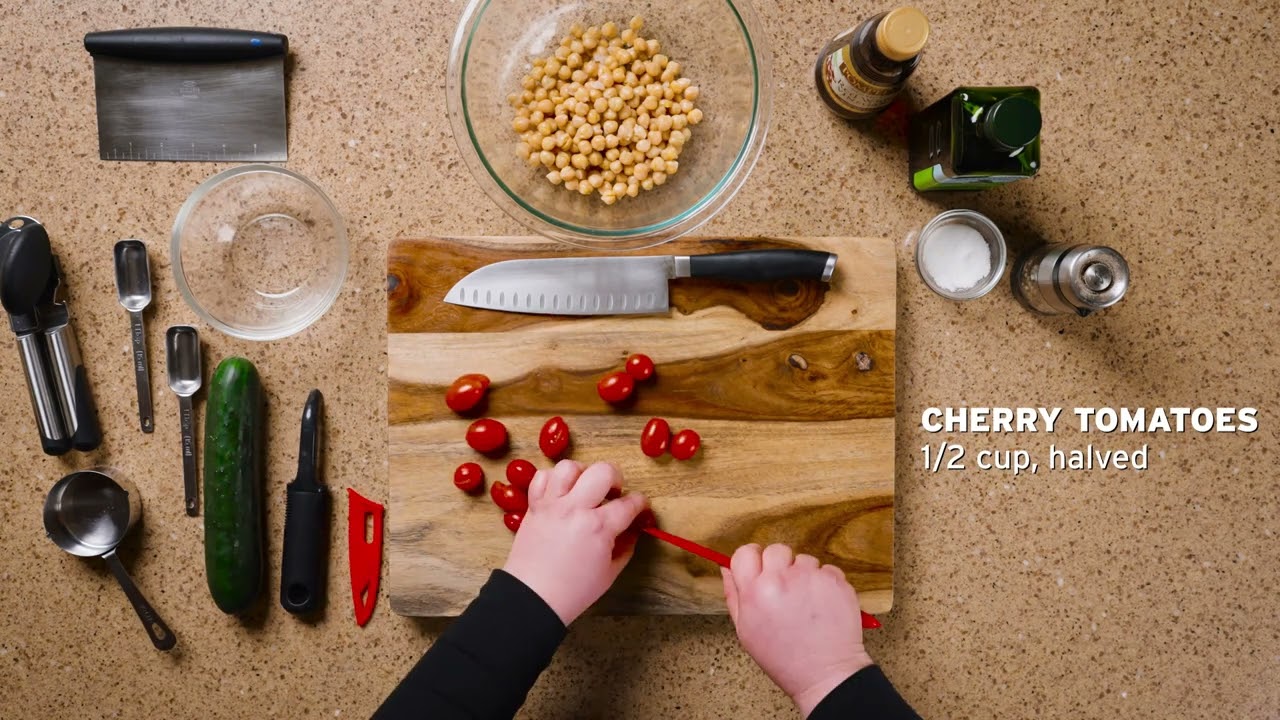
511,499
520,473
469,477
466,392
613,494
655,438
685,444
554,438
640,367
645,519
616,387
486,435
512,520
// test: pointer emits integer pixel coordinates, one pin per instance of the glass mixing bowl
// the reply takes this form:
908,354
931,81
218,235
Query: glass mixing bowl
719,43
259,252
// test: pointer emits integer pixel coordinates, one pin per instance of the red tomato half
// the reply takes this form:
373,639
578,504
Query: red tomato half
616,387
520,473
487,435
512,520
640,367
466,392
469,477
510,499
655,438
554,438
685,444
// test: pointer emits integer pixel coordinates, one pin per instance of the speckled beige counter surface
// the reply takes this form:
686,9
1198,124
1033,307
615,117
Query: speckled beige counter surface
1102,594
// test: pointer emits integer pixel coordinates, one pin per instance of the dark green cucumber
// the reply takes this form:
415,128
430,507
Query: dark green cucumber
233,477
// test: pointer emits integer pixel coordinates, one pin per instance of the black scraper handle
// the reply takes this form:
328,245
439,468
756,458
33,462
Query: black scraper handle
186,44
764,265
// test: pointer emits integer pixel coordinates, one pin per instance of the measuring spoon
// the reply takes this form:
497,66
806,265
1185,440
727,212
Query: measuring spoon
88,513
133,286
182,358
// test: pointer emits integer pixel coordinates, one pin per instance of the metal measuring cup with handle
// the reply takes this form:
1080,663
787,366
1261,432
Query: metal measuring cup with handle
88,513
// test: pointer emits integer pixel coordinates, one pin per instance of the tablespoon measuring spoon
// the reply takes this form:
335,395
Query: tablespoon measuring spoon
133,287
88,513
182,358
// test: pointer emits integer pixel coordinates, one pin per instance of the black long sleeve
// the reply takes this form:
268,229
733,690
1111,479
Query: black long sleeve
483,665
864,694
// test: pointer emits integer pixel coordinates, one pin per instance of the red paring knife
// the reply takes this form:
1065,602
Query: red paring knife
869,622
365,556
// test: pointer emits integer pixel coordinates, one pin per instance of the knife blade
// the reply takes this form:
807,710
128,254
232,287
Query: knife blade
622,285
306,521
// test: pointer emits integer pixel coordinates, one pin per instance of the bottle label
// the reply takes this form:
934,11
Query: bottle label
935,178
850,90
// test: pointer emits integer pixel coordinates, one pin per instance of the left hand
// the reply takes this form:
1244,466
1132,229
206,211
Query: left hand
572,544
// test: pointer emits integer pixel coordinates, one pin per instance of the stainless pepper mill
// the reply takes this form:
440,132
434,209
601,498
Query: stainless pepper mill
1064,279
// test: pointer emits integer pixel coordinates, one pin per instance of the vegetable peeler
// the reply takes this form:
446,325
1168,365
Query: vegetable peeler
304,566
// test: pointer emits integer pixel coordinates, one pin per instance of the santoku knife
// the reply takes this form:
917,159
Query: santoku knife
622,285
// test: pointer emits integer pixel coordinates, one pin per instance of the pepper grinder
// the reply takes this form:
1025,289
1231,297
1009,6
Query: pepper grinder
1063,279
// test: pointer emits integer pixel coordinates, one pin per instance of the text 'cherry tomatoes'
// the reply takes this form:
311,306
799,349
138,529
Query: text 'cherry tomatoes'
640,367
685,444
554,438
512,520
655,438
511,499
466,392
469,477
487,435
520,473
616,387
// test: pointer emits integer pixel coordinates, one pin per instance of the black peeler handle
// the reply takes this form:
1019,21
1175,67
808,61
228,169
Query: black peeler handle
186,44
304,566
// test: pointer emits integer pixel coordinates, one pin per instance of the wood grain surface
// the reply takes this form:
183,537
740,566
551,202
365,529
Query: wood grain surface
790,384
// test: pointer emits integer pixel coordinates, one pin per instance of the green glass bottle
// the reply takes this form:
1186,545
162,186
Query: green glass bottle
976,138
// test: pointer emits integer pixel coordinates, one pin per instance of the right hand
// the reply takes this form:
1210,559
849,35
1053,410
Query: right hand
798,619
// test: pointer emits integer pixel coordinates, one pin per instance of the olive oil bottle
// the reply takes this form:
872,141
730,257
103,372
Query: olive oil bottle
976,138
861,70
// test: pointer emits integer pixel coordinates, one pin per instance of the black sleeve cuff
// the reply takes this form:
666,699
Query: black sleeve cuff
864,694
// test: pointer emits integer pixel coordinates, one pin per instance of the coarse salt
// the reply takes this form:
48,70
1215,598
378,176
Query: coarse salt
956,257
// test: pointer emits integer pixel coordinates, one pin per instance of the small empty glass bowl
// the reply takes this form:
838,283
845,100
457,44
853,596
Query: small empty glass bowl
721,46
259,252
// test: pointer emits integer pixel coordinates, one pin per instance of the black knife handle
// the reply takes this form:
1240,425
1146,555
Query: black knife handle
186,44
303,573
764,265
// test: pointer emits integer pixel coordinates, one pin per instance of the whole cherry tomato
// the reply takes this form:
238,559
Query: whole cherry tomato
487,435
640,367
512,520
554,438
520,473
616,387
469,477
466,392
510,499
655,438
613,494
685,444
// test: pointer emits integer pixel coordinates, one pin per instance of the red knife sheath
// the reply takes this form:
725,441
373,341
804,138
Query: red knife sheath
365,555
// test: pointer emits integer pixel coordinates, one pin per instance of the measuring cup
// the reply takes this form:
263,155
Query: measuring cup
88,513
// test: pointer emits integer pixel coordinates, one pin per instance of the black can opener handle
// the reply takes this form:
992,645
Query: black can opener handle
304,566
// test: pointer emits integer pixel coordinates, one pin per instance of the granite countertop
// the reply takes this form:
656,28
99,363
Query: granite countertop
1110,593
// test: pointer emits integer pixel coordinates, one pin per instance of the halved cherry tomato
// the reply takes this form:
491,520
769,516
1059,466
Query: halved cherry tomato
510,499
466,392
685,444
487,435
616,387
512,520
469,477
520,473
655,438
554,438
613,494
640,367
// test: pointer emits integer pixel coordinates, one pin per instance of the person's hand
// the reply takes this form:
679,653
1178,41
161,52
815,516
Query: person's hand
571,547
798,619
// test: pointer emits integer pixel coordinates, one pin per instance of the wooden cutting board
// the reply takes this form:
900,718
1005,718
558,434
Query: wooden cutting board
790,384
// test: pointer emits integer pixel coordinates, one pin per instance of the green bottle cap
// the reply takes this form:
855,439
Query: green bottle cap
1012,123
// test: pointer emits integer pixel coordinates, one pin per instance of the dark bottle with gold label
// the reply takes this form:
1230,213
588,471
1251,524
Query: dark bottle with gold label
976,138
863,69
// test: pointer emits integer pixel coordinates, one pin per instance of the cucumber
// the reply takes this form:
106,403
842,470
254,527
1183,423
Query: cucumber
233,479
